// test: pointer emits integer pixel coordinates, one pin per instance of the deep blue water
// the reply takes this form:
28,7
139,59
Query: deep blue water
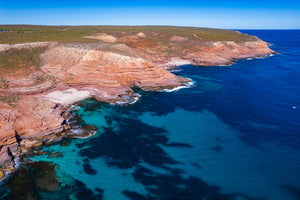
234,135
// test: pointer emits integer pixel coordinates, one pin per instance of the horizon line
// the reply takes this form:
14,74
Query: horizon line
154,25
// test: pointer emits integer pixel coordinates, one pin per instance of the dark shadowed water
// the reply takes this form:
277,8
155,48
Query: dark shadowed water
234,135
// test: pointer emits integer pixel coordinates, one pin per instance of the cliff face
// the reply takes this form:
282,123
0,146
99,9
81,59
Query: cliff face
33,102
108,74
164,50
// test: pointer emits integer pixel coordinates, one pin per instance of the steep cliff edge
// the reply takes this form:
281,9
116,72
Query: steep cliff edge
165,50
39,81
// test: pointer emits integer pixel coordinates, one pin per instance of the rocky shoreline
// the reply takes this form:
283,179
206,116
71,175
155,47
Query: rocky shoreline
34,106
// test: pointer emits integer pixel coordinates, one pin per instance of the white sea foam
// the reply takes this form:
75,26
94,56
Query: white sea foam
7,173
51,140
136,98
261,57
16,165
72,107
185,85
212,79
17,162
130,99
228,65
175,70
79,132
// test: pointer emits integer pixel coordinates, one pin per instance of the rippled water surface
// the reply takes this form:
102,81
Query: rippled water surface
234,135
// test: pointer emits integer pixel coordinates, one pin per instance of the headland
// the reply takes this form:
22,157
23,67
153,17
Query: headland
46,69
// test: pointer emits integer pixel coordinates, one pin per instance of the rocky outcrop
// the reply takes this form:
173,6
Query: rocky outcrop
106,74
24,126
141,34
6,160
7,119
226,52
37,117
33,105
4,47
196,51
103,37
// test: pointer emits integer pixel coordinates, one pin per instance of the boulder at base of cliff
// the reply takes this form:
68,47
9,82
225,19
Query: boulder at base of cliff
6,160
85,131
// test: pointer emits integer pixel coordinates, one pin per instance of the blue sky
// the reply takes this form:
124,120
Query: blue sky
232,14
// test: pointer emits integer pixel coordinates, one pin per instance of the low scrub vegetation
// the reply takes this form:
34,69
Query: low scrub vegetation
9,99
20,59
29,33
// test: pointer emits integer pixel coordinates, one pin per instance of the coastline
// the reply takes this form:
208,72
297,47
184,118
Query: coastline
40,115
67,99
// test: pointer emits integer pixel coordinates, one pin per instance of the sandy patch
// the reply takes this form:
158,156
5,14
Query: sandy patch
174,63
141,34
67,97
175,38
104,37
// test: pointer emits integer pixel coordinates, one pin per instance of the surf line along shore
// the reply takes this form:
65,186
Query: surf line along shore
35,100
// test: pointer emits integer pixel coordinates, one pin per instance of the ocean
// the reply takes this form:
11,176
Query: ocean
233,135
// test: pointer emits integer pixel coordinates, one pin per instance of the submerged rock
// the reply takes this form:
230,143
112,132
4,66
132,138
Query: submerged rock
65,143
45,176
85,131
74,121
55,155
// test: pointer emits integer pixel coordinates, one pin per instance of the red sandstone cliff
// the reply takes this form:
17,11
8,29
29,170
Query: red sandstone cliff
107,70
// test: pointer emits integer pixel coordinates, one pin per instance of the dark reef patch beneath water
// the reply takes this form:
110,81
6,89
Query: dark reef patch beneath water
30,180
37,180
88,168
84,193
173,186
134,143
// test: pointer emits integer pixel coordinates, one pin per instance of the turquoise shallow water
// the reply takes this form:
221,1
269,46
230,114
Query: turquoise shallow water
233,135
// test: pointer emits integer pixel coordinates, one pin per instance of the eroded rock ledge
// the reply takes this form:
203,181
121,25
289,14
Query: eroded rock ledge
36,103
